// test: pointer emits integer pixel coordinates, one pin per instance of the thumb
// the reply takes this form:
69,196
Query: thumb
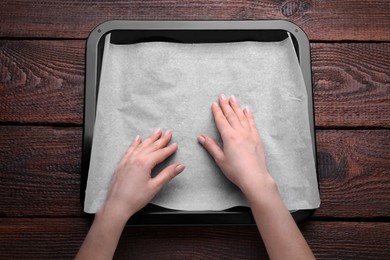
212,147
168,174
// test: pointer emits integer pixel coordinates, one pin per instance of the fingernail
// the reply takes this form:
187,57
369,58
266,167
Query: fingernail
247,110
158,130
201,139
136,139
179,168
223,97
167,132
233,98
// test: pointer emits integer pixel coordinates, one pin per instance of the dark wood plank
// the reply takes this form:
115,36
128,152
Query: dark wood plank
37,238
40,173
354,173
348,240
321,19
351,84
42,82
60,238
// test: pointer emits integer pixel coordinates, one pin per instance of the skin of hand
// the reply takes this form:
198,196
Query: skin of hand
132,187
242,160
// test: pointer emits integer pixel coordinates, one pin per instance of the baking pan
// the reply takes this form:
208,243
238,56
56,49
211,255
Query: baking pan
128,32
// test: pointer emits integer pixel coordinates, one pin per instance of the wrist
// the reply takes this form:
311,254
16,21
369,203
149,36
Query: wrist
112,213
261,190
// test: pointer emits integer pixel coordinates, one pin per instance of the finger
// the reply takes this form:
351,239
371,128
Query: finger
251,120
211,147
237,110
152,138
168,174
137,140
161,142
162,154
228,112
220,119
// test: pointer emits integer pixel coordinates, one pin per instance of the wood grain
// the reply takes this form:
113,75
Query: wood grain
42,82
60,239
41,172
42,48
354,173
351,84
321,19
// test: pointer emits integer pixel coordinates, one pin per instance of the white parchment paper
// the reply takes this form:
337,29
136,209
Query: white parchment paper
144,86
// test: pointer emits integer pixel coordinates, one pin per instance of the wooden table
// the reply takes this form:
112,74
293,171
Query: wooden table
42,61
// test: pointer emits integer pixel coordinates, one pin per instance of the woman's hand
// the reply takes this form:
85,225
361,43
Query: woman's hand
132,186
242,158
243,162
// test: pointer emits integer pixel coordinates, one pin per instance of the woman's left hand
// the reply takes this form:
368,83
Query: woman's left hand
132,186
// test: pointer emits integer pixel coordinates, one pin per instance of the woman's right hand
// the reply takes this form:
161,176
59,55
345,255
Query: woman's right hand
242,160
242,157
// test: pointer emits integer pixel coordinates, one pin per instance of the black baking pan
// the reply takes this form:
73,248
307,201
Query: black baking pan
128,32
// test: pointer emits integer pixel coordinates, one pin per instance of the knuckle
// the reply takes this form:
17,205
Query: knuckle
230,136
235,105
157,186
141,162
226,135
218,159
219,116
155,145
230,113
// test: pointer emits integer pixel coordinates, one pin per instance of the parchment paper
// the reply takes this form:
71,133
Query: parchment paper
144,86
